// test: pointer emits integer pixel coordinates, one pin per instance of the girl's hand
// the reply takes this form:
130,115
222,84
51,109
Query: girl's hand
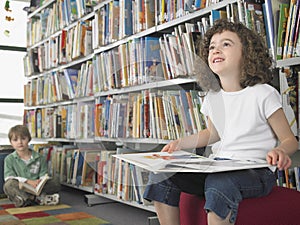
278,157
171,147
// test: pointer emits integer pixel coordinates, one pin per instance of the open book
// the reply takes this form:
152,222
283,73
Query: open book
30,189
182,161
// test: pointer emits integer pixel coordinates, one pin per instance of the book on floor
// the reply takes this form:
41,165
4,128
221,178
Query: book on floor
183,161
34,190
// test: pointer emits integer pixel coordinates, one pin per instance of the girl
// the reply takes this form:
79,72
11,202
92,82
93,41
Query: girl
245,121
25,165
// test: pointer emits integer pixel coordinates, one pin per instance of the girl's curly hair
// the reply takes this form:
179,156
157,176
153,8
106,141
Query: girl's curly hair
256,62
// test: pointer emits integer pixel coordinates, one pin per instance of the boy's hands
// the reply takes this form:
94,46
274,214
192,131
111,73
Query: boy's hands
278,157
33,183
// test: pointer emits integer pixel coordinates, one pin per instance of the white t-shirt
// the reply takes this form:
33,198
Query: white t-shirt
241,121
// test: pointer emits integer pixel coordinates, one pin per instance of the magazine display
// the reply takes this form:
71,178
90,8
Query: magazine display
182,161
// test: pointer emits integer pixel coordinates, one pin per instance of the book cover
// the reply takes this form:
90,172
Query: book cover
128,18
153,68
256,19
293,36
38,189
149,13
296,47
71,76
89,167
282,23
288,32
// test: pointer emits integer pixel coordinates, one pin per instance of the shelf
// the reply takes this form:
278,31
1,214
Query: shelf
158,84
131,203
194,15
87,189
150,141
288,62
45,5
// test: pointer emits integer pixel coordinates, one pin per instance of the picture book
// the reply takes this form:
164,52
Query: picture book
38,189
183,161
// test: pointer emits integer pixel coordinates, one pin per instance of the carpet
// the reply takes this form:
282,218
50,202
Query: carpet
60,214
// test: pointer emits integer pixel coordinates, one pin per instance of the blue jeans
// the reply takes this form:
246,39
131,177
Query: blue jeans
222,191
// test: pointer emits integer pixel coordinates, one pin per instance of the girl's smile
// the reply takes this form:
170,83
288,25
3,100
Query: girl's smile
225,58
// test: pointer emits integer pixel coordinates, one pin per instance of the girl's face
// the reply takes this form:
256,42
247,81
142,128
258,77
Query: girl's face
225,54
19,143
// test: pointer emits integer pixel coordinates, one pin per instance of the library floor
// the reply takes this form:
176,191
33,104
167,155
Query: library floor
114,212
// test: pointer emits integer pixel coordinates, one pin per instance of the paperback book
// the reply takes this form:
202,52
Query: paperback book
34,190
183,161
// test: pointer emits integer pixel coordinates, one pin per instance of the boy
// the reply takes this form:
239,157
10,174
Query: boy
26,165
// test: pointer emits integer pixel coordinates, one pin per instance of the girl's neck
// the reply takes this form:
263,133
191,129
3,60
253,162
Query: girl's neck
231,85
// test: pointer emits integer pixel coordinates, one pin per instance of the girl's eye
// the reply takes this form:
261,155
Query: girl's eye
211,48
226,44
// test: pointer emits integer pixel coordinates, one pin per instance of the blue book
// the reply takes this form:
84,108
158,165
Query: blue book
187,117
73,10
71,76
128,27
79,168
152,59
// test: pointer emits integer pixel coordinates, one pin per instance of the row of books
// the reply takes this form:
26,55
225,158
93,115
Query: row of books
149,114
73,165
105,174
96,169
288,38
289,178
55,17
162,114
118,19
139,60
289,89
60,86
68,45
66,121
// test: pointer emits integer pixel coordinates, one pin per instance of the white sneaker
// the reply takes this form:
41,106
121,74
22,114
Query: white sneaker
49,199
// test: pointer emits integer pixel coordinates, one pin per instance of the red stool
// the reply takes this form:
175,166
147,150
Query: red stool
280,207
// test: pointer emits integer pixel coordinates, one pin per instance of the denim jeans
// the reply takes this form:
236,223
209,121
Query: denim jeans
222,191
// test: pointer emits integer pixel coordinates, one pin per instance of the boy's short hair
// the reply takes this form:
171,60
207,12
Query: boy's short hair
19,130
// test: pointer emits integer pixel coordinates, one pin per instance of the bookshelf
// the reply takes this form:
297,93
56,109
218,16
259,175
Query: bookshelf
98,71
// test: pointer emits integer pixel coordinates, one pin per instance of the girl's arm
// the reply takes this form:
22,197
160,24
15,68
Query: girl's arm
201,139
288,145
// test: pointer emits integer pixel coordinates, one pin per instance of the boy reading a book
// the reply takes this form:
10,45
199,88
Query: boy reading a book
27,166
245,121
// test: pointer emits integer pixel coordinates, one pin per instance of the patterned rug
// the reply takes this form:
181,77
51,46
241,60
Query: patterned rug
61,214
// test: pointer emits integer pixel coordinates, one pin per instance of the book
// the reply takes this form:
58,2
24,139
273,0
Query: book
288,32
292,36
89,167
183,161
34,190
282,23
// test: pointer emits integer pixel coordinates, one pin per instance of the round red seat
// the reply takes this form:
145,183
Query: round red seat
280,207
